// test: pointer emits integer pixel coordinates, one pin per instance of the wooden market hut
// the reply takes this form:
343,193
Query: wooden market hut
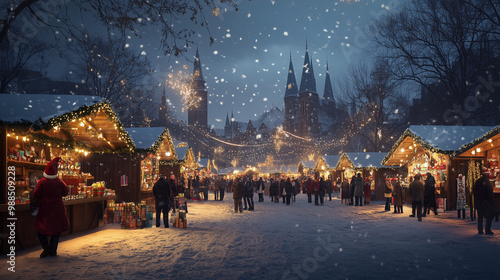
483,152
34,128
434,148
327,166
188,165
370,166
306,167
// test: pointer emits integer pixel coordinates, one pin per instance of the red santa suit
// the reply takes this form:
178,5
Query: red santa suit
51,218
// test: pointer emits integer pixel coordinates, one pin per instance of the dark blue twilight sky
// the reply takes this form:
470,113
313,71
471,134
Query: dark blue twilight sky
246,68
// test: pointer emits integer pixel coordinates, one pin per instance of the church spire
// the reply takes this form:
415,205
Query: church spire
328,92
291,83
227,119
199,82
312,79
306,82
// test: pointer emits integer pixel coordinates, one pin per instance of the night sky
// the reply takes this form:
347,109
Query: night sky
246,68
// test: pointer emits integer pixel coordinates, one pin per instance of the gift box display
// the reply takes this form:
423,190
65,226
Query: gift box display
179,219
129,215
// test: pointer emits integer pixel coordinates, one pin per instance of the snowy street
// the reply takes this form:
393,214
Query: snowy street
300,241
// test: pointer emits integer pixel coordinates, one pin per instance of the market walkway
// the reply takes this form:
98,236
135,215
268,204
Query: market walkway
300,241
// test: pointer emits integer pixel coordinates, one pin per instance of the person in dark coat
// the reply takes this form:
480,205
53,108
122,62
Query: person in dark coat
172,182
162,192
282,190
309,190
398,197
345,192
288,190
237,189
429,195
206,187
329,187
259,186
416,190
315,186
295,189
249,189
367,191
351,190
51,219
322,190
196,188
484,202
275,190
223,186
359,187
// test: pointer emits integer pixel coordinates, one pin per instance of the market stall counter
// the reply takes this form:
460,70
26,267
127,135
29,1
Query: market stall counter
83,214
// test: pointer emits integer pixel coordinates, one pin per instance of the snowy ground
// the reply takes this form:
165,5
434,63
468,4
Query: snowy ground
301,241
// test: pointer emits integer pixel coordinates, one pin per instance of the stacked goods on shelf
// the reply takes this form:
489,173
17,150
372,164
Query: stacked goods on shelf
129,215
180,220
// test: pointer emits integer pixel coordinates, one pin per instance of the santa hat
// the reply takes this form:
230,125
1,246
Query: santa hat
51,169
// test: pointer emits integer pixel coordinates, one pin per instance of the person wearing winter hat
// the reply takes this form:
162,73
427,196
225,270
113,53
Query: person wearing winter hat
51,219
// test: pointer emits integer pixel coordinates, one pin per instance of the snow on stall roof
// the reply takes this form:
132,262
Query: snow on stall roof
181,152
203,162
308,163
363,160
31,107
331,160
447,137
144,137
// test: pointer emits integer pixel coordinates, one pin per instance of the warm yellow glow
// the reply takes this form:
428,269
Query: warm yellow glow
478,150
473,152
402,150
168,153
322,167
24,138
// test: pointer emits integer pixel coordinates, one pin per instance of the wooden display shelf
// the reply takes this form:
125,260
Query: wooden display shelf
27,164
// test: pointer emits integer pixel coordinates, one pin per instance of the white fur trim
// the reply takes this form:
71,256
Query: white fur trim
49,176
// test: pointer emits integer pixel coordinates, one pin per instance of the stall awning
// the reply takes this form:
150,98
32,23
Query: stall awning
478,147
74,119
434,138
154,140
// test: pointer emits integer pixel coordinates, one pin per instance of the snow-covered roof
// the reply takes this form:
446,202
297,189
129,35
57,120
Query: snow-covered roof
31,107
484,142
332,160
367,160
181,152
203,162
145,137
308,163
446,137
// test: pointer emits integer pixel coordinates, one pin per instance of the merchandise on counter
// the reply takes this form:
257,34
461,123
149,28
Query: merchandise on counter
129,215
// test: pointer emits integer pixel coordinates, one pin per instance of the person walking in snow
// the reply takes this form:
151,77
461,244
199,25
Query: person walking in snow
351,190
416,190
388,193
367,191
345,192
259,186
316,191
282,190
359,187
51,219
162,192
223,186
429,195
249,189
329,187
275,190
288,190
322,190
484,202
398,198
237,188
309,190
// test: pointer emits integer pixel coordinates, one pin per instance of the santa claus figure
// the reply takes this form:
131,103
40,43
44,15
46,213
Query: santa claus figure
51,219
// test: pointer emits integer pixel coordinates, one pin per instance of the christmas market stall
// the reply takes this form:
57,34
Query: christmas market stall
187,161
327,166
370,166
159,157
434,148
38,128
482,153
306,168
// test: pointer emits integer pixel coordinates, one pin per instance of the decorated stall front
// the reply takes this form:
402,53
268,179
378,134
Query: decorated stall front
37,128
326,166
433,148
370,166
306,168
158,157
187,161
483,152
